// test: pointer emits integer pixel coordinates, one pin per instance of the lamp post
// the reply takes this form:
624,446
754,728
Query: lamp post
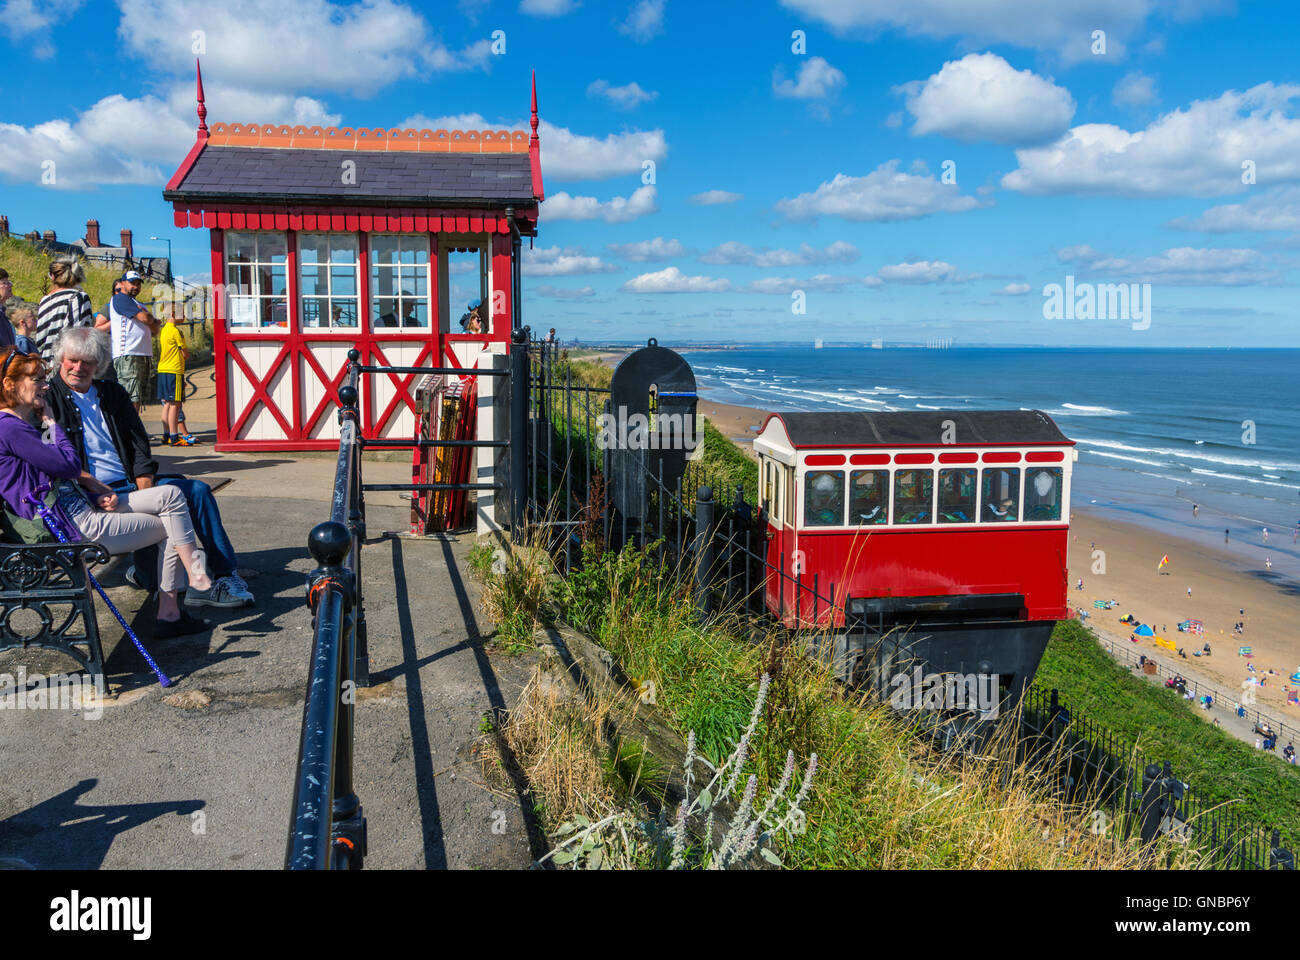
169,257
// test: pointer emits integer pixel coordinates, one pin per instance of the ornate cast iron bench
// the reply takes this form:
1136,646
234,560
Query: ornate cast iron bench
52,581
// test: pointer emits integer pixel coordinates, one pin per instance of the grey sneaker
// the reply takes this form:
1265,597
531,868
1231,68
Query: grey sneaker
218,595
238,588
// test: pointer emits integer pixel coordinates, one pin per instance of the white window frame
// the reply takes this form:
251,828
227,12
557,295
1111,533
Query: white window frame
372,267
234,293
329,298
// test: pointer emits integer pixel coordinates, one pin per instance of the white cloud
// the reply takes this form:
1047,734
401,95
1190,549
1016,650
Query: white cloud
672,280
92,150
885,194
649,251
1276,209
821,282
236,105
982,97
31,23
1134,90
1062,27
1014,289
1177,266
920,271
561,262
578,294
355,49
1198,151
562,206
548,8
645,21
815,80
567,155
735,252
712,197
625,97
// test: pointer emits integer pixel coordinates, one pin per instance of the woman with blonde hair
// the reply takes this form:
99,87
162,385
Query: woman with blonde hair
66,305
33,461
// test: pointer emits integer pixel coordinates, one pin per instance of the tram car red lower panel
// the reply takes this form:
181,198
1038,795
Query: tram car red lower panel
944,532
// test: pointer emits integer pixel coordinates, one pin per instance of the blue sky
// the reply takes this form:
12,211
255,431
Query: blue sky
826,165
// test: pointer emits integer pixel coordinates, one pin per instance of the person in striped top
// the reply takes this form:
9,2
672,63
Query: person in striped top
66,305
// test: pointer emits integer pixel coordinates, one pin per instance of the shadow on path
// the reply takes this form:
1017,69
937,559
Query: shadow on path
435,852
62,832
536,840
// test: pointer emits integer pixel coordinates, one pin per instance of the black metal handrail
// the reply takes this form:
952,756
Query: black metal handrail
327,829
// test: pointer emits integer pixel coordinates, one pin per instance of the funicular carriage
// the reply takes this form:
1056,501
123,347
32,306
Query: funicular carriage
934,538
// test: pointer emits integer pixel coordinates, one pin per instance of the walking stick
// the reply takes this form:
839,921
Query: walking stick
61,534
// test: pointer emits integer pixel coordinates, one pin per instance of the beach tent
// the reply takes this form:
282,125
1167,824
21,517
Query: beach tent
1144,631
1192,626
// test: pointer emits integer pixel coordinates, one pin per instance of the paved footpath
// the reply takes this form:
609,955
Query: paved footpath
201,775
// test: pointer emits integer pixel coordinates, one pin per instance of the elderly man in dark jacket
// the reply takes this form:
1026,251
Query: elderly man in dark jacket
100,419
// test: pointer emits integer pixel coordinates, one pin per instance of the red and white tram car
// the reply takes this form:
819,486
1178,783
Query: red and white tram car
949,528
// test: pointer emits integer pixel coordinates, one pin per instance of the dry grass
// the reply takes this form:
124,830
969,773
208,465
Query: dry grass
558,741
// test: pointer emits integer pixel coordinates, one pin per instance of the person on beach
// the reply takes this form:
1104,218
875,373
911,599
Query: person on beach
1189,591
1266,534
1195,508
34,461
1225,535
1268,563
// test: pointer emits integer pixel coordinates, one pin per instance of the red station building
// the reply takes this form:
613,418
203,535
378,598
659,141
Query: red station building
325,239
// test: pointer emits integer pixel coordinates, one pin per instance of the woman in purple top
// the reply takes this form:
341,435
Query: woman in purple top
32,459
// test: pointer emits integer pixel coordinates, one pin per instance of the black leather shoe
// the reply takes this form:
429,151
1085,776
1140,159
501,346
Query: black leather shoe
186,625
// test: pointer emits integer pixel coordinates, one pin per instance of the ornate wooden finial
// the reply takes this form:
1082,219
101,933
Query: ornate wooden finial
532,122
203,110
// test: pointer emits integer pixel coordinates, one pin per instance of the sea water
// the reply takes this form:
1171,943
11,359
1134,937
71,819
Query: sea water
1157,430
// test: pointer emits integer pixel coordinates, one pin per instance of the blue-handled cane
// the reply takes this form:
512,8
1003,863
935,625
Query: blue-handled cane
61,534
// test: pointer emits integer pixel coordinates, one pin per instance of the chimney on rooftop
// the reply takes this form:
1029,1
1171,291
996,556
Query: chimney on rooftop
92,233
126,242
49,235
4,227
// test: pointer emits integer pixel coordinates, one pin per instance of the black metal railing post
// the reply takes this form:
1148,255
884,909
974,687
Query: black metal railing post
324,774
518,431
703,549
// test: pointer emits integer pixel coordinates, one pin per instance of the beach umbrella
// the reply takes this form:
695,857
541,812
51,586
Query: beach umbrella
1144,631
1163,561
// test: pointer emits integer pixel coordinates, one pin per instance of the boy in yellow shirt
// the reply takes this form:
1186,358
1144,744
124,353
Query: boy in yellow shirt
171,384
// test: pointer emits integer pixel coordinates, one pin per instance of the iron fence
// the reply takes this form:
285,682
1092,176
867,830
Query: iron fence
1130,797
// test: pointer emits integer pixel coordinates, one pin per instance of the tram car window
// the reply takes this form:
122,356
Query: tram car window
1001,495
824,498
868,497
913,496
957,496
1043,493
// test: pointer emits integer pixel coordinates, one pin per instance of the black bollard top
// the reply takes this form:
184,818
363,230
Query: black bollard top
329,543
348,395
519,335
354,355
704,493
